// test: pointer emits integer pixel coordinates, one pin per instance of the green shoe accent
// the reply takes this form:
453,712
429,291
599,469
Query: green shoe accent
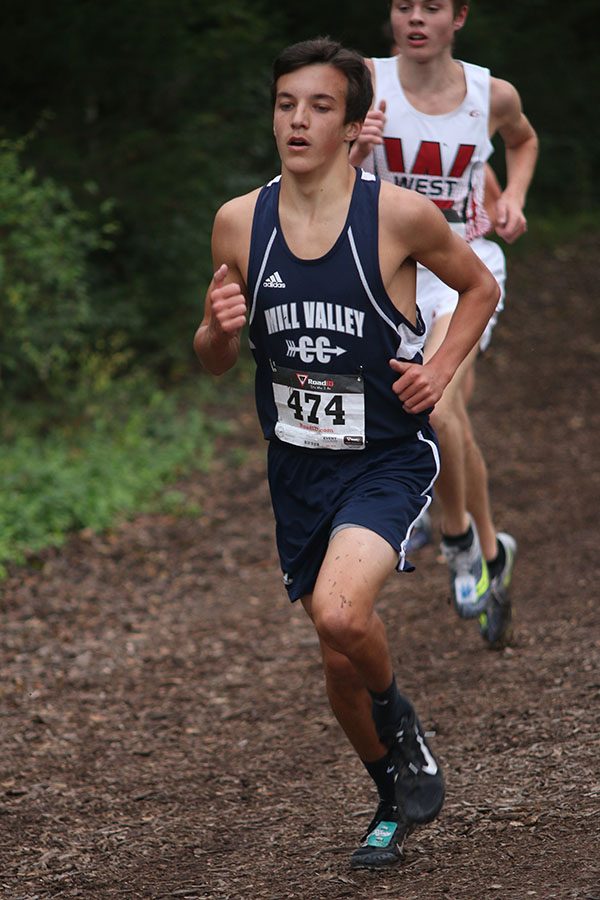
483,585
495,622
381,844
470,583
382,835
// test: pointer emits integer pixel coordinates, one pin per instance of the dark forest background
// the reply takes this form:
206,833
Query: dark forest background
123,126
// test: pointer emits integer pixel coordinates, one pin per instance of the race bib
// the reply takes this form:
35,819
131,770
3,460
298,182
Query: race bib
319,411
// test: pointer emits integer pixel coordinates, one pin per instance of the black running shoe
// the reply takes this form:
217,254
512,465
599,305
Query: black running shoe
419,781
381,845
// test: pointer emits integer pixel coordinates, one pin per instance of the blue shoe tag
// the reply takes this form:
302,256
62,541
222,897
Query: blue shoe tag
382,836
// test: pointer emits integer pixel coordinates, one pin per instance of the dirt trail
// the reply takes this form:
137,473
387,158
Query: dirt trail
164,727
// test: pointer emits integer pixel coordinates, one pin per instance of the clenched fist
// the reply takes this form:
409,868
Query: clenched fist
227,304
419,387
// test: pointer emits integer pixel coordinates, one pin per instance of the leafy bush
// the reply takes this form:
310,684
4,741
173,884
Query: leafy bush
45,306
166,109
85,475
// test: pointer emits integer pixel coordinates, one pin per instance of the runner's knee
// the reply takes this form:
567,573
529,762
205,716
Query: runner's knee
445,418
449,412
338,623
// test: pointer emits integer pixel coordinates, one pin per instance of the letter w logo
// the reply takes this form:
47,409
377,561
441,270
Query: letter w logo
428,160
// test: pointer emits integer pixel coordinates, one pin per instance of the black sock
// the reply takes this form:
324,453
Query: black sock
463,541
496,564
382,772
388,708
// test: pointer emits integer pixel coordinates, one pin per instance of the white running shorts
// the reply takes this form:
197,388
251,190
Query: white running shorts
436,299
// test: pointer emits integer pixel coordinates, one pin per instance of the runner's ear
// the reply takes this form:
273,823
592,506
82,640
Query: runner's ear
461,17
352,130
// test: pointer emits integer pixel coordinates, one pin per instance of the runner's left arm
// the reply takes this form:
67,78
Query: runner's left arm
521,151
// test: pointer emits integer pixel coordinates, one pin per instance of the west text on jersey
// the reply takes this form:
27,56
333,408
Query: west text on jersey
431,187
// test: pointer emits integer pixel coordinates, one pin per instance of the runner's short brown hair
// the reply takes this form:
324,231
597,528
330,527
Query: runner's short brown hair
324,51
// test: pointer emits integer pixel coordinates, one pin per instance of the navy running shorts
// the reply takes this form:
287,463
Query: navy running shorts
383,488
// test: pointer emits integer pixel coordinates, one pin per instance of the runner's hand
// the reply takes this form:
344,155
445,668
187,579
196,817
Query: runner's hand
371,134
227,304
419,387
510,220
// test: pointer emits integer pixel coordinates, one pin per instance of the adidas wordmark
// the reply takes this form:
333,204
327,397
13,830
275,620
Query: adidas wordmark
274,281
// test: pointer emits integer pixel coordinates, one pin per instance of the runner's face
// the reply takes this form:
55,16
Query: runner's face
308,120
423,29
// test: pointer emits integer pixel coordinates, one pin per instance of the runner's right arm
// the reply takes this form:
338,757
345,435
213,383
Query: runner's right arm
371,132
370,135
217,340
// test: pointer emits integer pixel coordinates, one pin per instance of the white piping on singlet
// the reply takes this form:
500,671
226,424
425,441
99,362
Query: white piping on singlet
365,282
263,266
410,340
425,493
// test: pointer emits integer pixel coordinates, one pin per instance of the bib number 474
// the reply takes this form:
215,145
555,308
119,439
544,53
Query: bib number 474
308,407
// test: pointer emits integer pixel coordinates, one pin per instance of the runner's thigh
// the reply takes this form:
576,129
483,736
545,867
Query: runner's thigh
357,563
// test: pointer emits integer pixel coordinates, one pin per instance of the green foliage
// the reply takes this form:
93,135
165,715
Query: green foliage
45,305
85,474
164,106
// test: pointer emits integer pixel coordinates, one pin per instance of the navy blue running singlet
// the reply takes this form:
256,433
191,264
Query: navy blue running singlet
323,330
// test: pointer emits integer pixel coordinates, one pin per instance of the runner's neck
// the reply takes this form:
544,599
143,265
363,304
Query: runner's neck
436,87
313,195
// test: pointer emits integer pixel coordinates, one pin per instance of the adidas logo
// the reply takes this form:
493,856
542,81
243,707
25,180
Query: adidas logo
275,281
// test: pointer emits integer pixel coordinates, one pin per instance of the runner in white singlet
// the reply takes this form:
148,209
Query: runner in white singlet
430,130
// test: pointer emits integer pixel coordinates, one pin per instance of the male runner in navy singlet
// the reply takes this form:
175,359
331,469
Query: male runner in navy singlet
321,264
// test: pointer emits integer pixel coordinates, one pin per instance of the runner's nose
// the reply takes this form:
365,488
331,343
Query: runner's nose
416,14
300,118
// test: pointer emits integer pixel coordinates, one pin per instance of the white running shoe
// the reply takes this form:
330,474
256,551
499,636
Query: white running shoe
469,577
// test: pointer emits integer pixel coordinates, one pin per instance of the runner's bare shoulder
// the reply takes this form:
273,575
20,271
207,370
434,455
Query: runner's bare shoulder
232,230
403,211
237,213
